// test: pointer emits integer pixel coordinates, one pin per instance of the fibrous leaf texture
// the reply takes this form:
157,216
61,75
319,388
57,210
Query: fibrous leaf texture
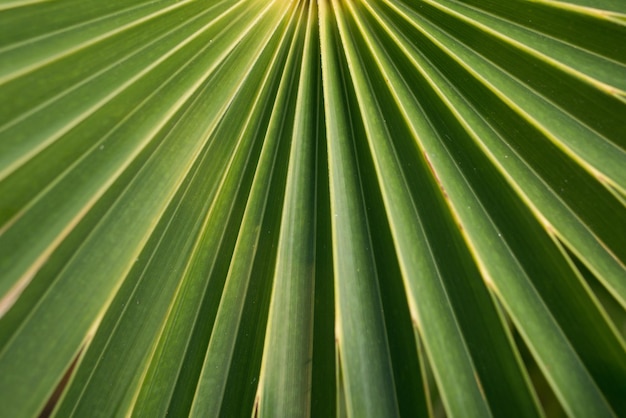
361,208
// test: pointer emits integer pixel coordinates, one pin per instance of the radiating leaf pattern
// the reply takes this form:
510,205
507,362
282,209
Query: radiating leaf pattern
361,208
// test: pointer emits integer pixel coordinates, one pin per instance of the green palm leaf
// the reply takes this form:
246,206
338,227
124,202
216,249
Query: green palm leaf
324,208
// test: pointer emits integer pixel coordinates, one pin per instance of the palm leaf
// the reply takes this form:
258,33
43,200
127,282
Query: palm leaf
341,207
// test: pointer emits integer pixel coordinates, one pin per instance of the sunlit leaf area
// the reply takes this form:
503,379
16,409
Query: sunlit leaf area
313,208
